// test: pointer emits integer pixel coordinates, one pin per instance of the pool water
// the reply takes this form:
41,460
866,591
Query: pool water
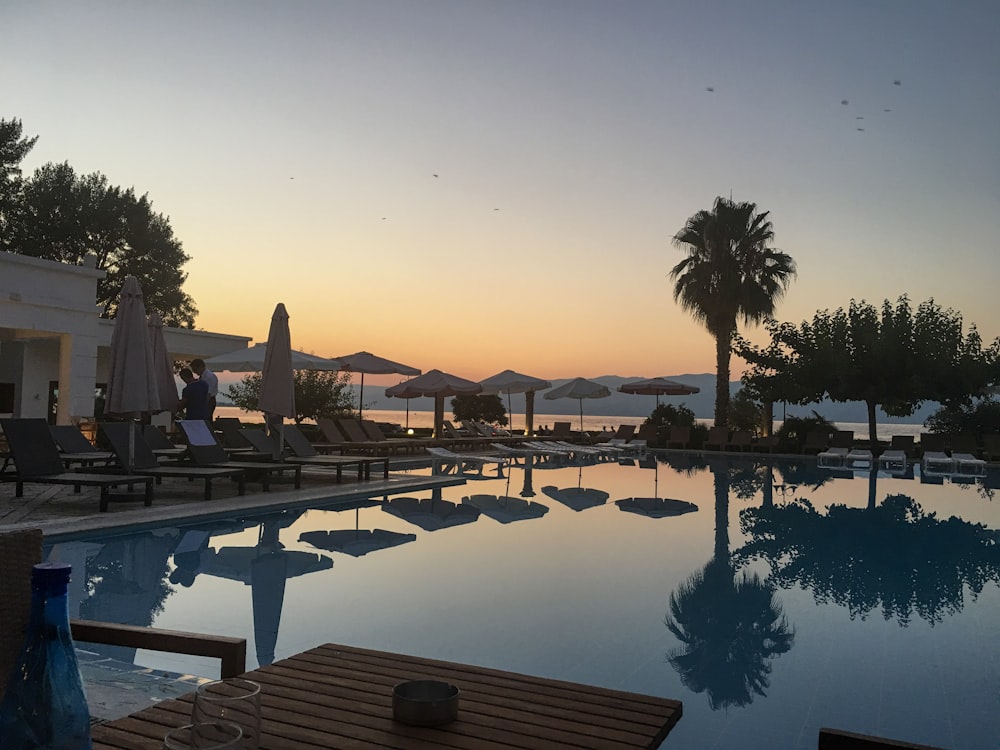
793,598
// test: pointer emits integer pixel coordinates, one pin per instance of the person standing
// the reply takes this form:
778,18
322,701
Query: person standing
209,377
194,396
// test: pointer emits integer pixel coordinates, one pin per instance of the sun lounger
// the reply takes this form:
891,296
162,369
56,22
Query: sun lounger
859,458
741,440
513,452
145,463
162,446
231,429
893,461
937,462
205,450
817,442
37,461
680,437
75,448
462,461
832,457
968,465
765,444
302,452
359,442
991,447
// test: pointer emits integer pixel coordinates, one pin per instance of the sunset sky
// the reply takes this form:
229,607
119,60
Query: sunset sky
475,186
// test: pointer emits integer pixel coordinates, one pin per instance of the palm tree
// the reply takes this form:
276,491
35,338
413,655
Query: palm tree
730,273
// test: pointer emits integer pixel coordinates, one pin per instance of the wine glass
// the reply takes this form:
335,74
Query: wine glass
235,700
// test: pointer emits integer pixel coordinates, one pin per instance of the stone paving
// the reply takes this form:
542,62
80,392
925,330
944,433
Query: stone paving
115,688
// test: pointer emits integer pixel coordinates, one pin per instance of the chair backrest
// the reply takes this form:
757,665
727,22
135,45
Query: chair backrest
836,739
19,551
352,429
932,441
625,431
741,438
261,442
901,443
842,439
202,445
70,440
156,438
298,442
372,431
679,434
647,431
331,432
717,435
35,452
817,440
116,434
964,443
562,429
232,432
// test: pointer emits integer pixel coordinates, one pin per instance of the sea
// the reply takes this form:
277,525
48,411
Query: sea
425,419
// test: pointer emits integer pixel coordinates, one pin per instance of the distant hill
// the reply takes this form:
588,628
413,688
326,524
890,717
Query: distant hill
626,405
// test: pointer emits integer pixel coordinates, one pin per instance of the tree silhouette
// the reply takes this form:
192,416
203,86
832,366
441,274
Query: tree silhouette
894,555
731,626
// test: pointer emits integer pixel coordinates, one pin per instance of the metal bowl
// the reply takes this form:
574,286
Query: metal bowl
425,703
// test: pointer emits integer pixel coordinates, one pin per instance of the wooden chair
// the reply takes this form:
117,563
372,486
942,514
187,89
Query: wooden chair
20,550
680,437
741,440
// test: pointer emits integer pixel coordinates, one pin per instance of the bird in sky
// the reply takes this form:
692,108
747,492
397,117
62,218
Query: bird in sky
897,83
861,130
844,102
709,88
434,175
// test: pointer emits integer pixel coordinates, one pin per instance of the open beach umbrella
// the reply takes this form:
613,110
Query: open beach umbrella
510,382
579,388
251,359
655,506
506,509
356,542
163,367
438,384
366,362
658,387
277,380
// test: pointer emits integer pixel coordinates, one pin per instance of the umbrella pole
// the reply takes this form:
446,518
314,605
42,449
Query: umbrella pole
361,397
581,417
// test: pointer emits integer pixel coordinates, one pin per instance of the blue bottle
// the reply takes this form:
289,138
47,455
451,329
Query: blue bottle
44,706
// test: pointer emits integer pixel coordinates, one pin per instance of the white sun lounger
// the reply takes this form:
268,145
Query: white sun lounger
859,458
968,465
832,457
937,462
893,461
446,459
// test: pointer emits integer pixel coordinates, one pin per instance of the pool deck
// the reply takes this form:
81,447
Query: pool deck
115,689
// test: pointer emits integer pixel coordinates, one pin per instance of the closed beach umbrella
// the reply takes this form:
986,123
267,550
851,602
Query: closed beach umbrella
579,388
510,382
132,382
366,362
658,387
162,365
277,381
438,384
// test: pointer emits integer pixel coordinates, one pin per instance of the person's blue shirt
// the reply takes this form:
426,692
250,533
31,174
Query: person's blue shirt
195,395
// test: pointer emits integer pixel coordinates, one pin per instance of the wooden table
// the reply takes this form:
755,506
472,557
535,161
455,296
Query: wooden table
341,697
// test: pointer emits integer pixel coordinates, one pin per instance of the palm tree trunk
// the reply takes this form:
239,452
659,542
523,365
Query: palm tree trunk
723,350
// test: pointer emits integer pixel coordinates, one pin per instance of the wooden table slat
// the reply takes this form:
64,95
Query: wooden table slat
341,696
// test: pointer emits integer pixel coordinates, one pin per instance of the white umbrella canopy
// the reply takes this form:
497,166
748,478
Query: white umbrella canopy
366,362
510,382
162,364
437,384
252,359
579,388
132,382
658,387
277,382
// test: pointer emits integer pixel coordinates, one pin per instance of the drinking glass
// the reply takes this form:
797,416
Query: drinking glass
236,700
214,735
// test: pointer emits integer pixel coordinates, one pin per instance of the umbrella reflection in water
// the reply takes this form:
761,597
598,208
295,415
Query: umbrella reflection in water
506,509
577,498
655,506
432,513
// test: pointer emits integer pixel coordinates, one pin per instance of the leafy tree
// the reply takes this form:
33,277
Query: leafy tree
894,358
729,274
745,413
62,216
489,409
793,431
980,418
317,394
13,148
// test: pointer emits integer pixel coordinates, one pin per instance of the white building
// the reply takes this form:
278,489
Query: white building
54,347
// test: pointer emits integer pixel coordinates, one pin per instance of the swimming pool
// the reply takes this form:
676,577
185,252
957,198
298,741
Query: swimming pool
767,612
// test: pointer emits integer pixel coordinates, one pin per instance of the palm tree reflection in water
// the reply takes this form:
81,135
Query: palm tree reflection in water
731,626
